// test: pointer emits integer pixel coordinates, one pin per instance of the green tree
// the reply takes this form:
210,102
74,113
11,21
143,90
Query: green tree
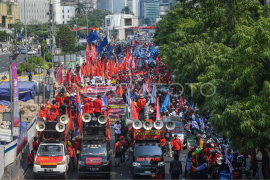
80,8
3,35
222,43
126,10
66,38
18,25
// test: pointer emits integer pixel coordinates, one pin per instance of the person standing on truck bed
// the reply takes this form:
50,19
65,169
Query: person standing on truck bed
98,105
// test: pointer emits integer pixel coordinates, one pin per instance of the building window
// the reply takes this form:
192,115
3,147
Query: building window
68,16
9,10
128,22
62,11
63,22
63,16
68,11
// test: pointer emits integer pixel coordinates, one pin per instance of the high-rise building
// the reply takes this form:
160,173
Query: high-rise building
89,4
9,12
151,10
129,3
105,4
166,5
67,13
118,5
135,7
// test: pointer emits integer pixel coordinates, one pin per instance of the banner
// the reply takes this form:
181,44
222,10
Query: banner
116,115
15,98
21,141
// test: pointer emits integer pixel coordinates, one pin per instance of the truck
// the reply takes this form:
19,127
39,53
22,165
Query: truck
147,152
52,157
95,155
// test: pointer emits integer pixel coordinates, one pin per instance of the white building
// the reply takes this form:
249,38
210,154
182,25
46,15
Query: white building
135,7
120,25
67,13
37,10
89,4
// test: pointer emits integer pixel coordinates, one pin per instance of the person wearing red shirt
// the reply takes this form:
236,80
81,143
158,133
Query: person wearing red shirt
117,153
98,105
43,112
212,161
158,174
207,151
122,156
51,116
89,108
155,112
30,159
55,108
77,145
59,99
71,154
35,144
177,145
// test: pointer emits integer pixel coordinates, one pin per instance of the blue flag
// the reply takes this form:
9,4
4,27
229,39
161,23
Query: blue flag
103,44
188,104
150,60
165,104
108,50
105,101
92,37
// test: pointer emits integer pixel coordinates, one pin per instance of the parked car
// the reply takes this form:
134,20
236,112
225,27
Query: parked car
23,51
32,52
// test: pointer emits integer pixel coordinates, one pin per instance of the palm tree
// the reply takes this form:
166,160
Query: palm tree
126,10
80,8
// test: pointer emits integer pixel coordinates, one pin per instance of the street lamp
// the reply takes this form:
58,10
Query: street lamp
44,74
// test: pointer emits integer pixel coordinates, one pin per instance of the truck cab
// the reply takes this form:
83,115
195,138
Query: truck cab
52,159
147,153
95,155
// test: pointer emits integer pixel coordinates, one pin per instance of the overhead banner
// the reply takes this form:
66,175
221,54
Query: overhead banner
116,115
15,101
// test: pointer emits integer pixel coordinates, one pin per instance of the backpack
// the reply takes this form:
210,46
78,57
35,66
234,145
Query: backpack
121,148
176,167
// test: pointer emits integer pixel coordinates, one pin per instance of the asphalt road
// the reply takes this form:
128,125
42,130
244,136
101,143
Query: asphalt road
4,61
120,172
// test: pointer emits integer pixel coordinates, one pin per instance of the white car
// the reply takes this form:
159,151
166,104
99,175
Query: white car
32,52
52,159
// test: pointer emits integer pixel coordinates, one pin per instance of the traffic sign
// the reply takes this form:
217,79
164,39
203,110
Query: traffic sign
48,80
39,70
49,87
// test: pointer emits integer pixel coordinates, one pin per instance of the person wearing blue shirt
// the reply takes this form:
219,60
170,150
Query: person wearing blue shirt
229,156
225,174
202,168
48,72
30,75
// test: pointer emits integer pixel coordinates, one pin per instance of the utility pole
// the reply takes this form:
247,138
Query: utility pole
25,30
87,22
51,26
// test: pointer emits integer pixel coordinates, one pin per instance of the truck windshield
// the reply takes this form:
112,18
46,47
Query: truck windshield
147,150
50,150
94,150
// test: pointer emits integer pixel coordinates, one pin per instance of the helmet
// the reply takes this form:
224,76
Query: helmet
193,154
198,151
192,148
69,143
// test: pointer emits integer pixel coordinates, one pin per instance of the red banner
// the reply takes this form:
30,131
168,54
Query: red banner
141,134
59,76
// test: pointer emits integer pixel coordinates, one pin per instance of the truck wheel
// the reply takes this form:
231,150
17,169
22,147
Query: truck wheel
65,175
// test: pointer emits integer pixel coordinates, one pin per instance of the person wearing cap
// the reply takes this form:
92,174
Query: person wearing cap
88,108
141,107
98,105
193,162
177,145
43,112
51,116
72,156
77,145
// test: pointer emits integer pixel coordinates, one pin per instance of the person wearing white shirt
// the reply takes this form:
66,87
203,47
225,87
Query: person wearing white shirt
117,130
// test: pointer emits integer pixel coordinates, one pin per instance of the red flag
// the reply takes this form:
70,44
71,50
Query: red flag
79,77
148,85
181,102
59,76
87,53
94,53
67,77
46,102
